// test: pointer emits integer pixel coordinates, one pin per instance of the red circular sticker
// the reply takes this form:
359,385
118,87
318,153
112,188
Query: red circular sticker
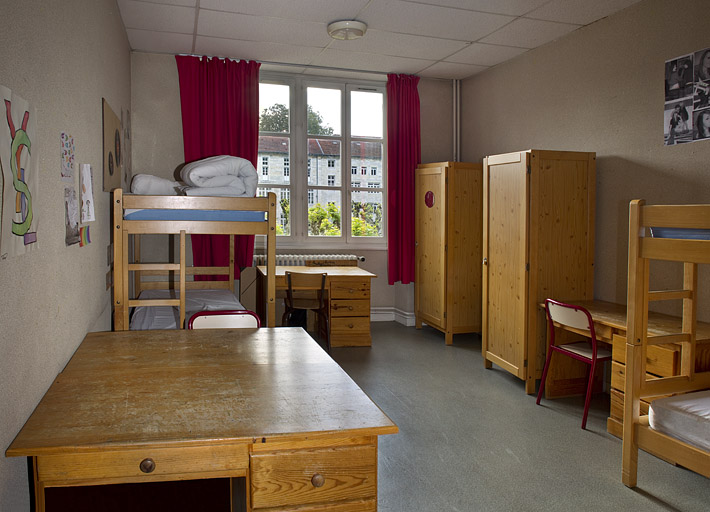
429,199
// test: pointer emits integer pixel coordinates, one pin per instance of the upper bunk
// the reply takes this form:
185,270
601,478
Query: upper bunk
135,214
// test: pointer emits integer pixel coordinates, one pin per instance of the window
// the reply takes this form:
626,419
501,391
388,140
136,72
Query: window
323,128
264,165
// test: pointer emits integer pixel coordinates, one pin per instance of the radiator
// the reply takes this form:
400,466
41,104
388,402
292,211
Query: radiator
300,259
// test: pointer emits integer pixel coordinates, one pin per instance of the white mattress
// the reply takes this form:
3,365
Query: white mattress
685,417
167,317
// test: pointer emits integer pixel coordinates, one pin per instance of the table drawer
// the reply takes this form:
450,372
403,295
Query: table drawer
618,375
350,325
660,359
345,307
349,289
616,409
292,477
127,464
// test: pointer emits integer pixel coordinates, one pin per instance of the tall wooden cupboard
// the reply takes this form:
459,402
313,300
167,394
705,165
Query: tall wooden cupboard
448,230
538,242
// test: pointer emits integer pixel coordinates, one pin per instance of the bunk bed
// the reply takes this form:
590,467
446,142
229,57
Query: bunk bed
166,285
679,233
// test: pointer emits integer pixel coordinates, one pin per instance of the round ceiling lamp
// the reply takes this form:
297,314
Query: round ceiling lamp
347,29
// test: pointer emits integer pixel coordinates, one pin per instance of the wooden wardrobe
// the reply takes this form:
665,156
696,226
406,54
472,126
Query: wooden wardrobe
538,242
448,230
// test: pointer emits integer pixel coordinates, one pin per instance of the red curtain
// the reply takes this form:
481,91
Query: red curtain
403,156
220,116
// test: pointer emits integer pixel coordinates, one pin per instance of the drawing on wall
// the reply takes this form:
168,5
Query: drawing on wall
112,148
687,98
126,123
86,187
67,142
18,176
84,236
71,215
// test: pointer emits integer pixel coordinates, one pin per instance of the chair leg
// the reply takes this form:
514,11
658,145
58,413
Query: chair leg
544,375
588,399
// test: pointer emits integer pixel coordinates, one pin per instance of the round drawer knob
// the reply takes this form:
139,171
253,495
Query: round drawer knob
351,325
147,465
318,480
350,308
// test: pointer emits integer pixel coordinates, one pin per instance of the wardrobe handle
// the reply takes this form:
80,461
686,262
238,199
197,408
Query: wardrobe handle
485,261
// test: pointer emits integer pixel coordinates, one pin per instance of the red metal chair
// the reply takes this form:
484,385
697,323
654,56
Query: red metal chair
224,319
588,352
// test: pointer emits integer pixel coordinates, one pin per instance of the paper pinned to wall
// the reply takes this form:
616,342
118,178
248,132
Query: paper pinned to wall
687,98
71,215
67,156
86,187
19,178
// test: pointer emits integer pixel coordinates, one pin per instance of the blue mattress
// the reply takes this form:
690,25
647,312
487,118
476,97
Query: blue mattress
200,215
681,233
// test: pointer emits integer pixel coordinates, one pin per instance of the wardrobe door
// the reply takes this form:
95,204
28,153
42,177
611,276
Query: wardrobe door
430,245
505,228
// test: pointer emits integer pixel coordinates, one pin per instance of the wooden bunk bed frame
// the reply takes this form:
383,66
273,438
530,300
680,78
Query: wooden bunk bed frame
642,249
175,273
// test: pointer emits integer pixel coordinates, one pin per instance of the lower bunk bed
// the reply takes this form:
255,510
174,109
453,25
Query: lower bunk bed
677,428
161,294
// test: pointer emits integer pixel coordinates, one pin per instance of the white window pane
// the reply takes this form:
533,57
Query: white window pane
283,208
324,213
366,114
324,117
274,108
274,153
325,158
366,155
366,211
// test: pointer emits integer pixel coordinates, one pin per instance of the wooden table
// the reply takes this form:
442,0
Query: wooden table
348,290
610,327
267,405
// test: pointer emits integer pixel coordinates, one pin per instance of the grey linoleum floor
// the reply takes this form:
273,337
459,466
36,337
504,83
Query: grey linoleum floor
470,439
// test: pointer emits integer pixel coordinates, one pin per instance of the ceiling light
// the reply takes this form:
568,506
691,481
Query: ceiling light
347,29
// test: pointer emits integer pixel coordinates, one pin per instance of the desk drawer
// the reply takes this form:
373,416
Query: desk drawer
195,461
660,359
618,376
349,289
350,325
288,477
345,307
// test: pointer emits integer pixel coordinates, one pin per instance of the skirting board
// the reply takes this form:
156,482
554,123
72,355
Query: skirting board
389,314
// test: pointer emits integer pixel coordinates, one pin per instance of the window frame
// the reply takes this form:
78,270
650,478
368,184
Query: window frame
300,160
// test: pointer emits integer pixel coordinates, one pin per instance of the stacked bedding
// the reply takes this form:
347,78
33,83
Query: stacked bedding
167,317
223,175
684,417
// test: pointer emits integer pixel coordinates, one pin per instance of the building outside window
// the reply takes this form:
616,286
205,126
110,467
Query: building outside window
287,166
373,171
264,165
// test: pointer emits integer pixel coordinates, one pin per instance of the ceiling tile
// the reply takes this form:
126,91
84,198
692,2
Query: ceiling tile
485,54
164,18
581,12
251,50
428,20
369,62
261,28
509,7
526,33
451,71
159,42
323,11
400,45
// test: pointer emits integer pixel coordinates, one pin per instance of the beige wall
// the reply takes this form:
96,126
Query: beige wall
62,57
601,89
158,147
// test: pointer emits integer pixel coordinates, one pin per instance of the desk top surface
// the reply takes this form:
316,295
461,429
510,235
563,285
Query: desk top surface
331,271
197,387
614,315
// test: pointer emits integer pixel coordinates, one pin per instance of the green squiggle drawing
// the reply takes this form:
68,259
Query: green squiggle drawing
21,139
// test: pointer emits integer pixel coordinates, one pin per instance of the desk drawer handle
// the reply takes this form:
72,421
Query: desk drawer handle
318,480
352,290
147,465
351,325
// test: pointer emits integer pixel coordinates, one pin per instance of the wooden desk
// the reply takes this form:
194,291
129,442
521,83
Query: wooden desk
348,291
661,360
268,405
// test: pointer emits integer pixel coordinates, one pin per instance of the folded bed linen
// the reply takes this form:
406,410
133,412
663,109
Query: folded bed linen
230,172
149,185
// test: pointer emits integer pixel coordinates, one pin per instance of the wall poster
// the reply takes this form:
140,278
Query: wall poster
113,154
687,98
71,215
18,175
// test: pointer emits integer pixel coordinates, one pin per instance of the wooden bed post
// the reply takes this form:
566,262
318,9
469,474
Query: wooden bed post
637,309
271,263
117,230
183,291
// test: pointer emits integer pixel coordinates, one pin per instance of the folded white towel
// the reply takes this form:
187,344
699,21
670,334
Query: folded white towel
149,185
221,171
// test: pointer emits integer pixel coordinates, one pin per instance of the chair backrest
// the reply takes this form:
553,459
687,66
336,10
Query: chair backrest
224,319
570,315
305,285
